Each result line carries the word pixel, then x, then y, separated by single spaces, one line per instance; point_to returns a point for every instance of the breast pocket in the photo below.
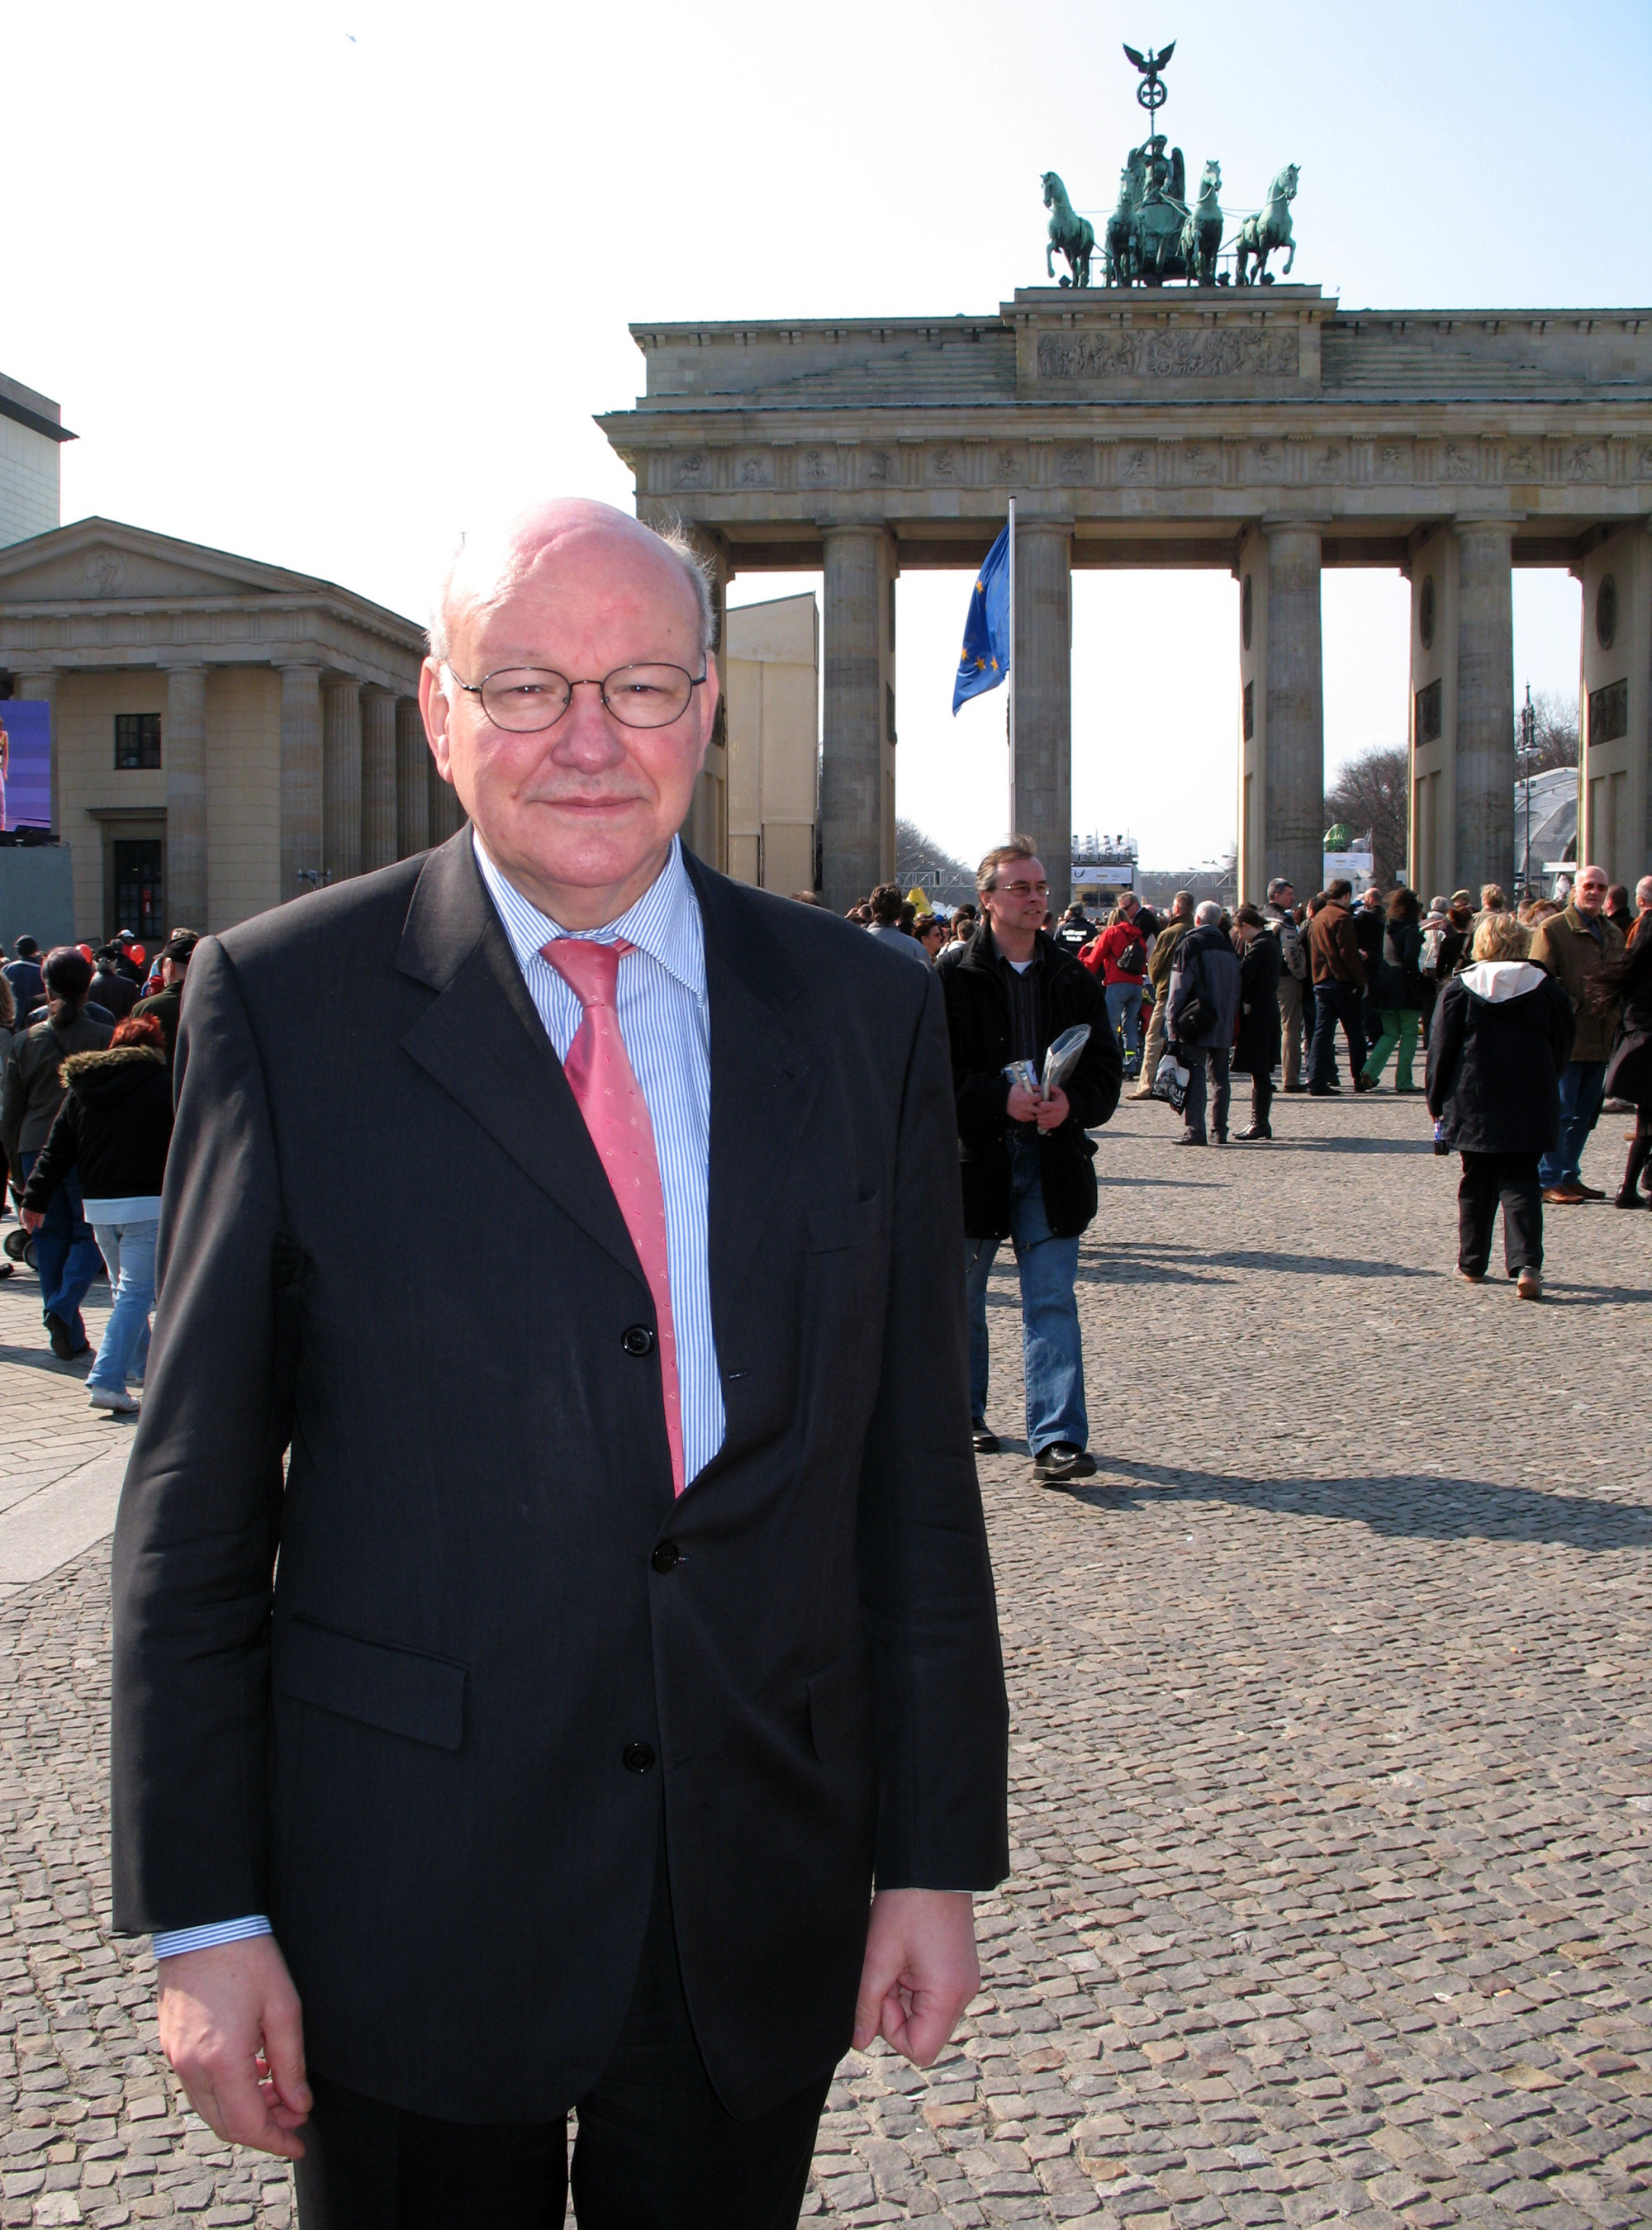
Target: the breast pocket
pixel 841 1224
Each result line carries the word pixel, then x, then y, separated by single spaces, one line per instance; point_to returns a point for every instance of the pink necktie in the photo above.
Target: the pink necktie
pixel 599 1072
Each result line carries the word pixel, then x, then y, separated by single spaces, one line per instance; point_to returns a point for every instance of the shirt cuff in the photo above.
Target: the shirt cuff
pixel 174 1941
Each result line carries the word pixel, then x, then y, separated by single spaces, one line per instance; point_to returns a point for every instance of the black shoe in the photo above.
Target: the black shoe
pixel 1364 1083
pixel 1190 1138
pixel 62 1340
pixel 1294 1088
pixel 1628 1199
pixel 1323 1091
pixel 984 1442
pixel 1062 1460
pixel 1255 1130
pixel 1408 1091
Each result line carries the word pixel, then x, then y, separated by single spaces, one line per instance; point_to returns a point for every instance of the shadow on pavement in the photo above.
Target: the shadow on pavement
pixel 1394 1503
pixel 1140 1265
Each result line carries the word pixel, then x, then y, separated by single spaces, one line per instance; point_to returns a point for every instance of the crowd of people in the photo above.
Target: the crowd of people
pixel 1531 1021
pixel 87 1041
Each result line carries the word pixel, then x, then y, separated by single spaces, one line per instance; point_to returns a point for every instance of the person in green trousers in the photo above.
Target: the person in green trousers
pixel 1399 991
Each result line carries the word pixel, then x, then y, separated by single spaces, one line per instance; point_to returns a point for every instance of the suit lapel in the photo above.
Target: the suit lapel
pixel 482 1040
pixel 766 1077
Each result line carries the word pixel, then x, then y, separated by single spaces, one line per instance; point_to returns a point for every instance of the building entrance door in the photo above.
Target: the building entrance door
pixel 140 897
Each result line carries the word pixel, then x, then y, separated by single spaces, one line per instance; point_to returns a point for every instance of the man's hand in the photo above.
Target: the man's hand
pixel 920 1970
pixel 230 2025
pixel 1053 1112
pixel 1023 1106
pixel 30 1218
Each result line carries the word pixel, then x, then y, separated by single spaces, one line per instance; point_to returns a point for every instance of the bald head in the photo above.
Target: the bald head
pixel 492 566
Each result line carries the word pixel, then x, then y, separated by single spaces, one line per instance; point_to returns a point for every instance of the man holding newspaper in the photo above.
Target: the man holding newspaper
pixel 1035 1069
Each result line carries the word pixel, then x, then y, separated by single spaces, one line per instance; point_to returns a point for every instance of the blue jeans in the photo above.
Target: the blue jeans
pixel 129 1251
pixel 1583 1094
pixel 1052 1350
pixel 1124 1015
pixel 66 1253
pixel 1333 1003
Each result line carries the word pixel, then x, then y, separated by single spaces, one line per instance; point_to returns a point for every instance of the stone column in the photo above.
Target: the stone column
pixel 706 830
pixel 412 790
pixel 300 780
pixel 1615 716
pixel 1433 847
pixel 1292 808
pixel 1485 729
pixel 377 778
pixel 183 757
pixel 856 784
pixel 41 687
pixel 1041 662
pixel 341 777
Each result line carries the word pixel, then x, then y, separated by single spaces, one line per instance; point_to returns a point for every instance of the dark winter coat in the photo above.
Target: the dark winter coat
pixel 112 991
pixel 977 1017
pixel 1207 968
pixel 1628 1073
pixel 33 1085
pixel 166 1005
pixel 1400 981
pixel 1370 924
pixel 112 1129
pixel 1256 1050
pixel 1494 1065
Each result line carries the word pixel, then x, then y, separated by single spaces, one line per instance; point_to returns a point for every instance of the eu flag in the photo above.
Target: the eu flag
pixel 985 659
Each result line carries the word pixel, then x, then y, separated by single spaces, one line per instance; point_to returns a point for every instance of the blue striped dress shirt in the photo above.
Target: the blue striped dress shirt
pixel 666 1023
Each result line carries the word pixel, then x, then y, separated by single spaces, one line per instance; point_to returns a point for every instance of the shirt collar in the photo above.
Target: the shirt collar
pixel 664 922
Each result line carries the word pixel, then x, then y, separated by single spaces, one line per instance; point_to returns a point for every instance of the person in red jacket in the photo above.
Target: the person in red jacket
pixel 1119 956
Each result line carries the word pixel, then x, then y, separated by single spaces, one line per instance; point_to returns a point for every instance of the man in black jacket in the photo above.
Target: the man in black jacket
pixel 1028 1164
pixel 551 1589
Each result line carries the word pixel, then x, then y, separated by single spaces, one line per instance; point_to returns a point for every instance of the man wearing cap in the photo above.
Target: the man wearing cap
pixel 167 1004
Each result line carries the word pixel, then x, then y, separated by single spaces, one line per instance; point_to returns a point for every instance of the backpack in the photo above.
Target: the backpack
pixel 1290 945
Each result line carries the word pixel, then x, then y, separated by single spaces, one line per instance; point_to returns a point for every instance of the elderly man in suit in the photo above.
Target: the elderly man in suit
pixel 556 1658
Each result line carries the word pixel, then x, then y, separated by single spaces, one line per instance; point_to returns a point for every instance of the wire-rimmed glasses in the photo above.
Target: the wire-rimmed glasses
pixel 523 699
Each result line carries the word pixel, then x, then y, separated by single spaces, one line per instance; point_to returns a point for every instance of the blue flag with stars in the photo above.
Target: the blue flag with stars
pixel 985 659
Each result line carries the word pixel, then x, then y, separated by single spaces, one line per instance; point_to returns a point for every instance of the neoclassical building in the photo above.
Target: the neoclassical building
pixel 226 734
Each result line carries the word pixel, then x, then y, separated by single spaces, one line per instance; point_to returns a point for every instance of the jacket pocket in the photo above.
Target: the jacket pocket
pixel 842 1223
pixel 398 1691
pixel 839 1704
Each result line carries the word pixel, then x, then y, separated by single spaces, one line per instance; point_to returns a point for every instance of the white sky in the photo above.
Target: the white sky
pixel 324 283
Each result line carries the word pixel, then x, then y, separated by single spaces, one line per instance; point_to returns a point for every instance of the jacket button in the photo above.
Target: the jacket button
pixel 638 1339
pixel 667 1557
pixel 637 1757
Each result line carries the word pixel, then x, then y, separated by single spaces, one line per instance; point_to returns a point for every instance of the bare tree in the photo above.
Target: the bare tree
pixel 1554 731
pixel 1373 792
pixel 918 857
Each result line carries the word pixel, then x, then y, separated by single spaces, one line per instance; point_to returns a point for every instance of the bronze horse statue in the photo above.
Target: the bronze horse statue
pixel 1269 229
pixel 1201 230
pixel 1074 234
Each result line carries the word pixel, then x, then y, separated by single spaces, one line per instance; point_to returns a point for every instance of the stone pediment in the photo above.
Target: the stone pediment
pixel 102 561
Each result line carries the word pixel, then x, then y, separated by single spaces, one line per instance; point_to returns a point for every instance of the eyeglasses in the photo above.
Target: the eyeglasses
pixel 523 699
pixel 1022 890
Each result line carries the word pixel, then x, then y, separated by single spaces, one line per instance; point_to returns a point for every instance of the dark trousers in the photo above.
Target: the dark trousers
pixel 1198 1059
pixel 1261 1101
pixel 1334 1003
pixel 1513 1179
pixel 656 2149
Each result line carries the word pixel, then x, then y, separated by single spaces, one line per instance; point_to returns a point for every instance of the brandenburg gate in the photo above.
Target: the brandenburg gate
pixel 1262 429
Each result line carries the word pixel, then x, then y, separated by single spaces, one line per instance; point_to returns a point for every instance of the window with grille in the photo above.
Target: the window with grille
pixel 137 739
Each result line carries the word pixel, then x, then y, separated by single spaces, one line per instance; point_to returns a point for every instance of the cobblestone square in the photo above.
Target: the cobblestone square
pixel 1331 1788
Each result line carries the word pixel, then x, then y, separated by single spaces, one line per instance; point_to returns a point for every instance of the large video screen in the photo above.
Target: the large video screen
pixel 25 764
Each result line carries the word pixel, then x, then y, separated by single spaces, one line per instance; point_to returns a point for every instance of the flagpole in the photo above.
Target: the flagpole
pixel 1013 666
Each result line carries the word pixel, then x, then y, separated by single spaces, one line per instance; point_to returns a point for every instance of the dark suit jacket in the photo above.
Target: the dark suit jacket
pixel 389 1249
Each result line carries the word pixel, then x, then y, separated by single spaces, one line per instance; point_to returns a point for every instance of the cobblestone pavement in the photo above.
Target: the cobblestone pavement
pixel 1333 1782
